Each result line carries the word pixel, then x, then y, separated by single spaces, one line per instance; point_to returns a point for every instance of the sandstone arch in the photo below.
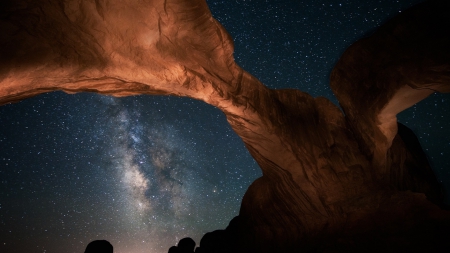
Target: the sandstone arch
pixel 338 171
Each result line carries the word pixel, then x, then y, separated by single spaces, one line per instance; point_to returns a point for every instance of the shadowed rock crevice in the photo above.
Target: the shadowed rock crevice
pixel 331 179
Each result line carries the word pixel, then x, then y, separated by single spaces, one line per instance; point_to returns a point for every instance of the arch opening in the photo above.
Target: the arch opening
pixel 142 172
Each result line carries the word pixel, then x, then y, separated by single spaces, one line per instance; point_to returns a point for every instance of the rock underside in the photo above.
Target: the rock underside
pixel 333 181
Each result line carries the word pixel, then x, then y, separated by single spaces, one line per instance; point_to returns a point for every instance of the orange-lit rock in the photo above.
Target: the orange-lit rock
pixel 329 181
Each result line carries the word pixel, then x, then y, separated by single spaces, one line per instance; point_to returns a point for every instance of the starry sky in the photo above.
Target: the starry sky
pixel 146 171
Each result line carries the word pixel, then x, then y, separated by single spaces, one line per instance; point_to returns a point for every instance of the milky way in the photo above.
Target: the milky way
pixel 137 171
pixel 144 172
pixel 163 178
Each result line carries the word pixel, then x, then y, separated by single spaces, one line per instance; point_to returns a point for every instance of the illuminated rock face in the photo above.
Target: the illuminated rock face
pixel 329 180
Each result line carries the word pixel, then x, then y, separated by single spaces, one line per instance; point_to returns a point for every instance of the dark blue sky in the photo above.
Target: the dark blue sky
pixel 144 172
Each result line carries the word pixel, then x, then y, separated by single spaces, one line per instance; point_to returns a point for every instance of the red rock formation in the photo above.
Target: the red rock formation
pixel 405 61
pixel 329 181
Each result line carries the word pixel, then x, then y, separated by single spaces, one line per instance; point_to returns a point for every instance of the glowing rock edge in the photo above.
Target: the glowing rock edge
pixel 351 180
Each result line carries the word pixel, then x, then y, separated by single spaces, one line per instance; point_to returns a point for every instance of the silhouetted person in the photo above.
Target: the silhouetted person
pixel 99 246
pixel 186 245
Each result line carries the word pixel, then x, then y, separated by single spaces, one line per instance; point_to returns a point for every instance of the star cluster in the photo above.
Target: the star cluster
pixel 143 171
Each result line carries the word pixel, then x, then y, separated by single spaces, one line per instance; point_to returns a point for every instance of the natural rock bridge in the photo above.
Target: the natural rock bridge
pixel 332 179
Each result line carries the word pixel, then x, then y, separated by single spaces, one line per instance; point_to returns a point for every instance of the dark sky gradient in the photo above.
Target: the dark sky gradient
pixel 144 172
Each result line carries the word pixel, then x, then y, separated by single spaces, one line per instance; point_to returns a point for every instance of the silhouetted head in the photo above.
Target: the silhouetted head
pixel 186 245
pixel 99 246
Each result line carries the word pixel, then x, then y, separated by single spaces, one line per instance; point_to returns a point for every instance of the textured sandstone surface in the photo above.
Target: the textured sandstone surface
pixel 330 180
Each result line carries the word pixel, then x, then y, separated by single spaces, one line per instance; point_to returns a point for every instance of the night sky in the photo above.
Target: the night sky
pixel 146 171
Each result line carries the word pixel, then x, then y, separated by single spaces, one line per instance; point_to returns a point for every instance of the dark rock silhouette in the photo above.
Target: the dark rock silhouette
pixel 186 245
pixel 216 241
pixel 99 246
pixel 173 249
pixel 332 181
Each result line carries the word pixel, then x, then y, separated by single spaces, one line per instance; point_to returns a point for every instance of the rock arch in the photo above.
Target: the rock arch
pixel 324 172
